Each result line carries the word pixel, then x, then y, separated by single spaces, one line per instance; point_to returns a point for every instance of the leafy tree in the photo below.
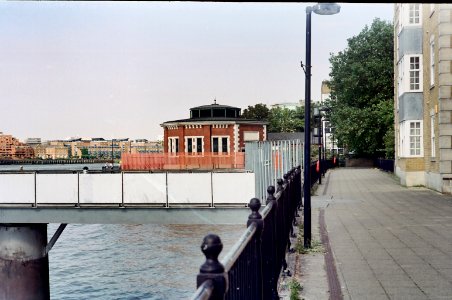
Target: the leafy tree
pixel 280 119
pixel 286 120
pixel 362 91
pixel 85 153
pixel 258 112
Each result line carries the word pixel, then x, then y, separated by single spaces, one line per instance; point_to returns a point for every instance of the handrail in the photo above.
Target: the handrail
pixel 204 291
pixel 238 247
pixel 266 210
pixel 251 268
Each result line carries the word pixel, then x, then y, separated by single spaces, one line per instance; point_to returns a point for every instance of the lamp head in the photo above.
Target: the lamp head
pixel 326 8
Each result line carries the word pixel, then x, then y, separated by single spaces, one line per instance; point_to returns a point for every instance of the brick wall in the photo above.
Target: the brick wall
pixel 207 131
pixel 246 127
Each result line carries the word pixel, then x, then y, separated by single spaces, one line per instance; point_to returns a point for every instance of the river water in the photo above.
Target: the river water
pixel 127 261
pixel 130 261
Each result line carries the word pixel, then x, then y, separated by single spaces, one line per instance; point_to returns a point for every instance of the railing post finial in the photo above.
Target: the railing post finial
pixel 280 184
pixel 212 269
pixel 271 194
pixel 211 247
pixel 255 216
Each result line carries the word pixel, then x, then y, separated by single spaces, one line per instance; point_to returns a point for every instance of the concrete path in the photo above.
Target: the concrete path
pixel 388 241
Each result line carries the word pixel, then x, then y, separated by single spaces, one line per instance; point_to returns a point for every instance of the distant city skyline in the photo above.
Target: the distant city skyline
pixel 120 69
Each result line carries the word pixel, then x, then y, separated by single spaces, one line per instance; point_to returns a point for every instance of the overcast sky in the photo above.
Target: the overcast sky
pixel 116 70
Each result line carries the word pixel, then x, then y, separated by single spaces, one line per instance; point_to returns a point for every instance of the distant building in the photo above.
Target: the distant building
pixel 145 146
pixel 284 136
pixel 12 148
pixel 33 141
pixel 288 105
pixel 325 91
pixel 52 150
pixel 212 128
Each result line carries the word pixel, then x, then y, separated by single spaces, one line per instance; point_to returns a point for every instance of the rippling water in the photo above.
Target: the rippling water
pixel 130 261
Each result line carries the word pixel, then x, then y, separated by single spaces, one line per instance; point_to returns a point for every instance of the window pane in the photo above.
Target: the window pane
pixel 215 145
pixel 199 145
pixel 224 145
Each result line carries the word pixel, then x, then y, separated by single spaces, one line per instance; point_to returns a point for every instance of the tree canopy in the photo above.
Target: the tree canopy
pixel 286 120
pixel 258 112
pixel 279 119
pixel 362 85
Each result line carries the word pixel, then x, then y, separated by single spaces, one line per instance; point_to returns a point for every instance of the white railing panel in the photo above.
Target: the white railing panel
pixel 233 188
pixel 17 188
pixel 144 188
pixel 189 188
pixel 100 188
pixel 56 189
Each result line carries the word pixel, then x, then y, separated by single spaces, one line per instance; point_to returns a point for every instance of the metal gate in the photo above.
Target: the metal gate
pixel 270 160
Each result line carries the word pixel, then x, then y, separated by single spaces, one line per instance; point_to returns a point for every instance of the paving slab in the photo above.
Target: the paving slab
pixel 388 241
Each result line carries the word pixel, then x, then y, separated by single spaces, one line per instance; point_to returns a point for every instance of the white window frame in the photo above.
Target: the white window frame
pixel 400 82
pixel 432 60
pixel 220 143
pixel 408 64
pixel 406 15
pixel 405 75
pixel 414 69
pixel 194 139
pixel 412 18
pixel 173 144
pixel 432 135
pixel 407 138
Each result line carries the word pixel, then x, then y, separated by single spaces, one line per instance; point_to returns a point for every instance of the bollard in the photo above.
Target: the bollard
pixel 212 269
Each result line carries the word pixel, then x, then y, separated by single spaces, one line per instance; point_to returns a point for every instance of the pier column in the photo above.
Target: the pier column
pixel 24 265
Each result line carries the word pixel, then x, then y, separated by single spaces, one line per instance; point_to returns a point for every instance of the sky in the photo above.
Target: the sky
pixel 120 69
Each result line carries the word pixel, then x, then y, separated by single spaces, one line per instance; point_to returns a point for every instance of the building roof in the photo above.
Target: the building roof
pixel 214 105
pixel 215 113
pixel 278 136
pixel 216 120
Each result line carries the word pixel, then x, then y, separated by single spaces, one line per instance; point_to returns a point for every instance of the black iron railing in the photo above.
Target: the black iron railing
pixel 384 164
pixel 320 169
pixel 252 267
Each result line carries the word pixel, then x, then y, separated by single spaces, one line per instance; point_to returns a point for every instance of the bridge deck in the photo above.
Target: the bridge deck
pixel 109 215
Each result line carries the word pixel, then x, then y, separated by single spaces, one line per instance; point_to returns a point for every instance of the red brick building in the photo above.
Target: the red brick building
pixel 212 128
pixel 12 148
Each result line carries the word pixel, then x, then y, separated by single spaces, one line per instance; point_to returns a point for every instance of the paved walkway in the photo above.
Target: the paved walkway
pixel 388 241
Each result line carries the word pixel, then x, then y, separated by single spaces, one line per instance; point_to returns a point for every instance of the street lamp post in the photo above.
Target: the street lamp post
pixel 318 132
pixel 321 9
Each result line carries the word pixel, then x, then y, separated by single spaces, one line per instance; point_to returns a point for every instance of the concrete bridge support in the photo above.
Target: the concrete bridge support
pixel 24 263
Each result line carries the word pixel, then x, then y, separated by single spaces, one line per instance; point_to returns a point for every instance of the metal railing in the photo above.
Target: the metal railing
pixel 250 270
pixel 318 170
pixel 270 160
pixel 384 164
